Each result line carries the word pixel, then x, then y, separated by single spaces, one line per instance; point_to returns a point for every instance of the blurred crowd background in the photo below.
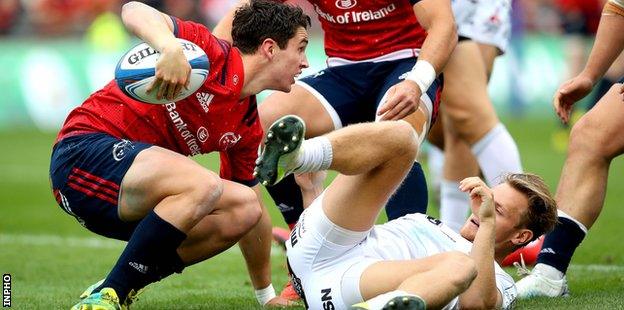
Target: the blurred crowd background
pixel 54 18
pixel 68 48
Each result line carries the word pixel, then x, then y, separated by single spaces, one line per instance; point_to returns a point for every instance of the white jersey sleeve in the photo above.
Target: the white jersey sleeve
pixel 506 286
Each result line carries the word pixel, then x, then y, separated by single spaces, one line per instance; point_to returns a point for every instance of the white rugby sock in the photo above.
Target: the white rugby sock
pixel 379 301
pixel 316 154
pixel 497 153
pixel 454 205
pixel 435 162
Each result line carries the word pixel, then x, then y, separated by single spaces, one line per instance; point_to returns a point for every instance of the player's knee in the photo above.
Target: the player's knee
pixel 469 126
pixel 586 139
pixel 251 210
pixel 405 140
pixel 205 190
pixel 245 214
pixel 461 269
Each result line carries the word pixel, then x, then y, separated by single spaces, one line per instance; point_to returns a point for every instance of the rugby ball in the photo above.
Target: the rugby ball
pixel 136 71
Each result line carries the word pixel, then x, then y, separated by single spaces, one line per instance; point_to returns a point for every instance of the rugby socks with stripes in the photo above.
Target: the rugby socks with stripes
pixel 411 196
pixel 560 244
pixel 454 205
pixel 149 256
pixel 497 153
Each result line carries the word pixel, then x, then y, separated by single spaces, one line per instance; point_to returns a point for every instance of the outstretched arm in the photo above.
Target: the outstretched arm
pixel 156 28
pixel 608 45
pixel 482 293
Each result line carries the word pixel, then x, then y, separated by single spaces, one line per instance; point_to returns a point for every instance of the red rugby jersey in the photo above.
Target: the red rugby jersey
pixel 211 119
pixel 364 29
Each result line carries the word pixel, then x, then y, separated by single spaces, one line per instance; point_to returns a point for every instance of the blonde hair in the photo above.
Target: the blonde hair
pixel 541 215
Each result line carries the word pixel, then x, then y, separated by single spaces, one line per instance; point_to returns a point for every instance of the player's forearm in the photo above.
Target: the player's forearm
pixel 440 43
pixel 482 293
pixel 150 25
pixel 223 29
pixel 436 16
pixel 608 45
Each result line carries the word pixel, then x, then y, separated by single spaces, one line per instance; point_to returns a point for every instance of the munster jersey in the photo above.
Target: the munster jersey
pixel 364 29
pixel 211 119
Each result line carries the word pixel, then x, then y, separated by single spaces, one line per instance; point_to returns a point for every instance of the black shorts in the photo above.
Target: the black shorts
pixel 86 172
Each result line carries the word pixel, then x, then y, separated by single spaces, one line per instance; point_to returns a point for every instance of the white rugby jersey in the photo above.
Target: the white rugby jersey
pixel 424 236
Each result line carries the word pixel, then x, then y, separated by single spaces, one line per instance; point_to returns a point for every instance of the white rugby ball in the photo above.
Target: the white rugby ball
pixel 136 71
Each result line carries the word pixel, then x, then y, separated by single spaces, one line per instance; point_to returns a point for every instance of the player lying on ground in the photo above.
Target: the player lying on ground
pixel 121 167
pixel 338 256
pixel 383 67
pixel 595 140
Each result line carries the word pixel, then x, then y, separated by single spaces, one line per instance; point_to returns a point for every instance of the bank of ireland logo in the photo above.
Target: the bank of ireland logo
pixel 345 4
pixel 202 134
pixel 228 140
pixel 121 148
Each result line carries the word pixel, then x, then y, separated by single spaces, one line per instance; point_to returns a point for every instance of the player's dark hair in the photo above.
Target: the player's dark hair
pixel 262 19
pixel 541 216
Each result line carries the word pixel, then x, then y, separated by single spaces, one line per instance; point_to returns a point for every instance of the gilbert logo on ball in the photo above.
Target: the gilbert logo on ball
pixel 136 71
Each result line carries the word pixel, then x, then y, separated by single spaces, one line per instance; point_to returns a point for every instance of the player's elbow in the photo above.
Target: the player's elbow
pixel 129 8
pixel 130 14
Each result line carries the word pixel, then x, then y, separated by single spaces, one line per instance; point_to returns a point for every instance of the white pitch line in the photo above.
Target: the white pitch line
pixel 103 243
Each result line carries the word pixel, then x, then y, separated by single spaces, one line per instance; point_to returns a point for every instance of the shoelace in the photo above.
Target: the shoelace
pixel 521 268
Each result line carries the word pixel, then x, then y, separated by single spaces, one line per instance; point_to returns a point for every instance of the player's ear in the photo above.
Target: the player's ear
pixel 268 48
pixel 522 237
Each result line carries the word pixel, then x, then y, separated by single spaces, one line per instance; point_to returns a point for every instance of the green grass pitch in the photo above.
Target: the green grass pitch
pixel 52 258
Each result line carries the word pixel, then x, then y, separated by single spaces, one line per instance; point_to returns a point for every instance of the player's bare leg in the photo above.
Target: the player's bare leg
pixel 594 141
pixel 236 208
pixel 160 190
pixel 373 159
pixel 472 129
pixel 300 102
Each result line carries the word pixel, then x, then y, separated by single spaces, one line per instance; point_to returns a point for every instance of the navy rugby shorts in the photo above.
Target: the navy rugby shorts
pixel 86 171
pixel 351 93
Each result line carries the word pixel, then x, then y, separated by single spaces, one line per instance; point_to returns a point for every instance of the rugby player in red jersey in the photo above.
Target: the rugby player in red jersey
pixel 122 167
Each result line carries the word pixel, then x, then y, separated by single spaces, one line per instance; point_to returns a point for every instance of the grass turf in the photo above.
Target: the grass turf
pixel 52 258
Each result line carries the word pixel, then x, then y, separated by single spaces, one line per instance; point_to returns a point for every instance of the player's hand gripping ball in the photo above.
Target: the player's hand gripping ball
pixel 136 71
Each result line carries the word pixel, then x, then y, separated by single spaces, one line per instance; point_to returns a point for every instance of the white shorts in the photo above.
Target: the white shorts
pixel 324 261
pixel 327 261
pixel 484 21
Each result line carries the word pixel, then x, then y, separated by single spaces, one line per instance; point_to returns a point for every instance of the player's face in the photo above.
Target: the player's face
pixel 290 61
pixel 510 206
